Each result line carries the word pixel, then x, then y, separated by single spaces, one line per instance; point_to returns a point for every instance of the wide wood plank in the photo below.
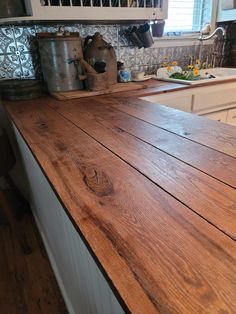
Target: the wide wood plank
pixel 210 198
pixel 219 136
pixel 156 252
pixel 214 163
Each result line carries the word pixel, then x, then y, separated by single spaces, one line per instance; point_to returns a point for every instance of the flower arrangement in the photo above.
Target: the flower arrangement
pixel 191 72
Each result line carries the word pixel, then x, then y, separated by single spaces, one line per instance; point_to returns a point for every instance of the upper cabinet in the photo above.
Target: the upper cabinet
pixel 88 10
pixel 226 10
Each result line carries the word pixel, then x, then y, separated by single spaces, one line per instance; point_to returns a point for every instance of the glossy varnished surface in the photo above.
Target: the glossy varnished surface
pixel 152 194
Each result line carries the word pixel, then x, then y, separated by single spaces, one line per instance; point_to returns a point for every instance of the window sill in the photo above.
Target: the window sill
pixel 177 41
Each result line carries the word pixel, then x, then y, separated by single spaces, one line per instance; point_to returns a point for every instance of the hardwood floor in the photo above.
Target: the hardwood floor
pixel 27 283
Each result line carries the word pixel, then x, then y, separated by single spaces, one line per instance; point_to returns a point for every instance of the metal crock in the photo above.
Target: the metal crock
pixel 60 54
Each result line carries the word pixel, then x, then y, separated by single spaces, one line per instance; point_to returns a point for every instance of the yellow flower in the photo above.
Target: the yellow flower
pixel 196 72
pixel 198 61
pixel 169 68
pixel 174 63
pixel 164 64
pixel 190 66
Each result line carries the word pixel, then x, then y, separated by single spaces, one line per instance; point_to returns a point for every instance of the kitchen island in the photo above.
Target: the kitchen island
pixel 149 190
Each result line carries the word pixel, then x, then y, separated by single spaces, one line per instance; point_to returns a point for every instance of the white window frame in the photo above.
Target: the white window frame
pixel 188 38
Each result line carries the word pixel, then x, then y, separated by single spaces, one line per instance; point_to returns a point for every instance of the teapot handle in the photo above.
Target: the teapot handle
pixel 87 40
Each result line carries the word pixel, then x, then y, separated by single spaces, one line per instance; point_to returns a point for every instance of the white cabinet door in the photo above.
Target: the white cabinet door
pixel 220 116
pixel 214 96
pixel 231 117
pixel 173 100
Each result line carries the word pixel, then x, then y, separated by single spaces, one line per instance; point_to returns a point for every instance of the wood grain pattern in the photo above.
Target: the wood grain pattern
pixel 217 201
pixel 156 252
pixel 196 155
pixel 198 129
pixel 84 287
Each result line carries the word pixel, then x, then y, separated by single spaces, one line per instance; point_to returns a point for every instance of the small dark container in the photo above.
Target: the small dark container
pixel 158 29
pixel 133 36
pixel 145 35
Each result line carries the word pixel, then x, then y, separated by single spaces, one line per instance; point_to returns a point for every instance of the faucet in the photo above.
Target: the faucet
pixel 202 37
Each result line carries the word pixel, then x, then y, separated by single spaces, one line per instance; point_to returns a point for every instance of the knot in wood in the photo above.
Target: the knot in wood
pixel 97 181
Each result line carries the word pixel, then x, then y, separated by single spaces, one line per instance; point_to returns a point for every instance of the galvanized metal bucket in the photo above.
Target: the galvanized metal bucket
pixel 60 56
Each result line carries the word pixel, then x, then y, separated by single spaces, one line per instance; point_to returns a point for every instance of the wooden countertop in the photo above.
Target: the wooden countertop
pixel 152 190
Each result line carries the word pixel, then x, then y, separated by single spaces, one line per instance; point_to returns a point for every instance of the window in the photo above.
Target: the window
pixel 188 15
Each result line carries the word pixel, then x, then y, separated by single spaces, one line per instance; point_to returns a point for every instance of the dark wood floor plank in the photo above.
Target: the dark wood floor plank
pixel 11 294
pixel 157 252
pixel 221 137
pixel 28 284
pixel 210 198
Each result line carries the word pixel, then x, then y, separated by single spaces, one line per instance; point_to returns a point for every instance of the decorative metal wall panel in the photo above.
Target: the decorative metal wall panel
pixel 19 56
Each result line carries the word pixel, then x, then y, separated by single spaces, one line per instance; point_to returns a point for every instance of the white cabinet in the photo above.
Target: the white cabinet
pixel 231 116
pixel 226 116
pixel 181 100
pixel 220 116
pixel 200 100
pixel 106 10
pixel 216 102
pixel 211 98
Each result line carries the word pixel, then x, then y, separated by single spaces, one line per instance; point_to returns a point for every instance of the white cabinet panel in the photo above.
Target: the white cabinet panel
pixel 213 96
pixel 174 100
pixel 181 103
pixel 220 116
pixel 231 117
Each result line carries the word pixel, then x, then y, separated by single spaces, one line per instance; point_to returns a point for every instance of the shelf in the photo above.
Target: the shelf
pixel 87 11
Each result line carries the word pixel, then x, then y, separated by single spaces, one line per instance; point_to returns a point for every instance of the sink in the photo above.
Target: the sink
pixel 222 72
pixel 212 75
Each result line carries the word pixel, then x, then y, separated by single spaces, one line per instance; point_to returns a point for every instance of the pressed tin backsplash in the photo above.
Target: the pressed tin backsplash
pixel 19 56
